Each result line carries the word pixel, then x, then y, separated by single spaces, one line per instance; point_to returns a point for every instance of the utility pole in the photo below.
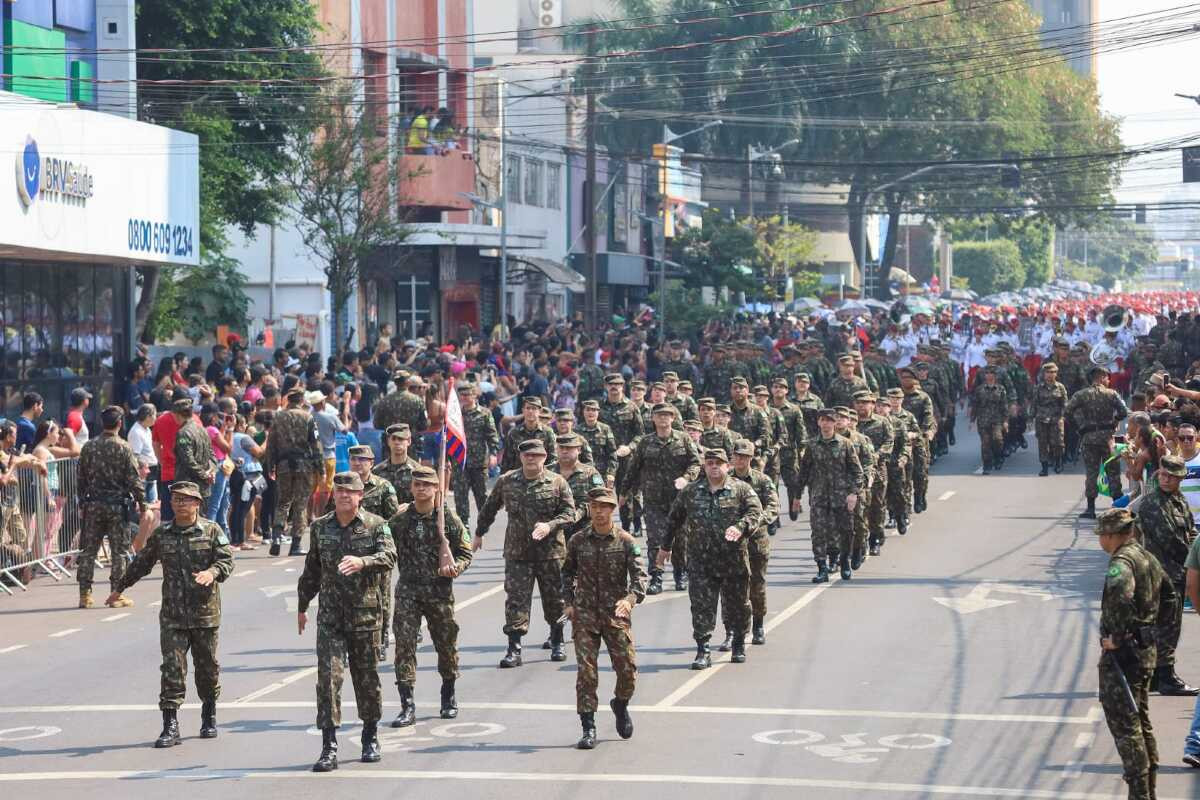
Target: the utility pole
pixel 589 209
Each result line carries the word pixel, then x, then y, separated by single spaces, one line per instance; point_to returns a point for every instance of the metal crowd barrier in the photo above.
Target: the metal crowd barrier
pixel 40 524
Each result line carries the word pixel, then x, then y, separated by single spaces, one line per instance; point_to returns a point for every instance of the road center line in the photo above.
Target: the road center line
pixel 946 495
pixel 697 680
pixel 116 617
pixel 266 690
pixel 280 562
pixel 470 601
pixel 67 632
pixel 244 573
pixel 611 778
pixel 13 648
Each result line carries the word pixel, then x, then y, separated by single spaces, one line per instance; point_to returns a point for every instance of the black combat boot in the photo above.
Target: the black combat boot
pixel 295 550
pixel 276 539
pixel 846 571
pixel 857 559
pixel 1090 511
pixel 727 643
pixel 1045 469
pixel 556 643
pixel 1152 781
pixel 950 436
pixel 876 547
pixel 1058 465
pixel 328 760
pixel 681 577
pixel 408 709
pixel 739 648
pixel 703 659
pixel 371 751
pixel 449 703
pixel 588 740
pixel 987 470
pixel 822 575
pixel 170 732
pixel 655 586
pixel 208 719
pixel 902 525
pixel 512 658
pixel 1171 685
pixel 620 709
pixel 1139 787
pixel 793 514
pixel 758 632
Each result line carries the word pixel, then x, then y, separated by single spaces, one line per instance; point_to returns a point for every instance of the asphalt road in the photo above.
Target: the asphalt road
pixel 961 663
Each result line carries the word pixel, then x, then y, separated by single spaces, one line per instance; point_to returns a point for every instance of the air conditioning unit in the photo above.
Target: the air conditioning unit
pixel 549 13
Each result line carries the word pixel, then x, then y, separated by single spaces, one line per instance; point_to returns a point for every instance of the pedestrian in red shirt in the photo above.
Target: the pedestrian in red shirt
pixel 163 437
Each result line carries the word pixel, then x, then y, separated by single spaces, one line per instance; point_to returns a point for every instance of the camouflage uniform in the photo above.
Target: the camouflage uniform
pixel 190 613
pixel 511 459
pixel 379 498
pixel 1049 405
pixel 401 406
pixel 582 480
pixel 684 405
pixel 600 570
pixel 1137 596
pixel 653 468
pixel 421 592
pixel 989 409
pixel 591 382
pixel 773 458
pixel 399 476
pixel 482 442
pixel 831 471
pixel 751 422
pixel 720 569
pixel 1168 529
pixel 1096 411
pixel 603 447
pixel 882 435
pixel 1023 389
pixel 919 404
pixel 715 438
pixel 809 405
pixel 625 420
pixel 792 448
pixel 528 501
pixel 759 546
pixel 349 616
pixel 194 460
pixel 900 484
pixel 866 459
pixel 294 452
pixel 716 381
pixel 841 390
pixel 108 480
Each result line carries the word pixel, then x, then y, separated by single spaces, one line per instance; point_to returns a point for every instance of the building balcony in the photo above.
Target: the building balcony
pixel 435 181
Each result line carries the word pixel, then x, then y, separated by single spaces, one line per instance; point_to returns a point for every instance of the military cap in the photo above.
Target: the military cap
pixel 675 343
pixel 590 404
pixel 788 350
pixel 1059 341
pixel 685 384
pixel 723 408
pixel 658 385
pixel 564 413
pixel 693 425
pixel 895 392
pixel 991 351
pixel 570 440
pixel 716 454
pixel 348 480
pixel 663 408
pixel 295 391
pixel 827 412
pixel 909 371
pixel 182 405
pixel 1094 371
pixel 841 409
pixel 670 375
pixel 186 489
pixel 921 365
pixel 399 429
pixel 743 447
pixel 532 446
pixel 1049 366
pixel 402 375
pixel 780 381
pixel 740 381
pixel 845 358
pixel 1173 465
pixel 545 413
pixel 615 377
pixel 802 376
pixel 707 401
pixel 464 388
pixel 760 389
pixel 637 384
pixel 865 396
pixel 362 451
pixel 848 413
pixel 602 494
pixel 536 402
pixel 1114 520
pixel 425 474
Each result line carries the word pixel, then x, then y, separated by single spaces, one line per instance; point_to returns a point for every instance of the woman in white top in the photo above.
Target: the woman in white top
pixel 142 443
pixel 54 444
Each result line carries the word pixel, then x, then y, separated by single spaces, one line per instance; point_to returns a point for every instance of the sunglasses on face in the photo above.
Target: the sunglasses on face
pixel 1187 438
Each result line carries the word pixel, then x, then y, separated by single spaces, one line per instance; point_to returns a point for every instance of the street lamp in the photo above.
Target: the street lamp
pixel 669 137
pixel 754 154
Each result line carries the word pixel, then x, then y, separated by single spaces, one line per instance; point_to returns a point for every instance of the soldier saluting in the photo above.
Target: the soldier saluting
pixel 195 556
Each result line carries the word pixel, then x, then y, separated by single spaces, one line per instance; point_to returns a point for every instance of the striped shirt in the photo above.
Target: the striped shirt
pixel 1190 486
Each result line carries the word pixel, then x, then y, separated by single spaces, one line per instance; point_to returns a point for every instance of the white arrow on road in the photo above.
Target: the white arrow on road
pixel 978 600
pixel 275 591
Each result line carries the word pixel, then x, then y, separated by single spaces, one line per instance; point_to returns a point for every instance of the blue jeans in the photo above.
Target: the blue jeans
pixel 218 502
pixel 1191 745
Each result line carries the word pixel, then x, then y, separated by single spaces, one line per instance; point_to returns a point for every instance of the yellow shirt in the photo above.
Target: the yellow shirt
pixel 418 132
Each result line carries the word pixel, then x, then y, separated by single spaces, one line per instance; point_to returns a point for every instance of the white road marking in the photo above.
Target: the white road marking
pixel 1074 768
pixel 28 732
pixel 946 495
pixel 13 648
pixel 266 690
pixel 116 617
pixel 290 569
pixel 611 778
pixel 67 632
pixel 659 598
pixel 244 573
pixel 1085 740
pixel 275 591
pixel 156 604
pixel 978 600
pixel 696 681
pixel 470 601
pixel 859 713
pixel 1095 713
pixel 280 562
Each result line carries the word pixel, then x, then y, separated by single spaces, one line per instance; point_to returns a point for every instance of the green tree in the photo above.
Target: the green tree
pixel 990 267
pixel 243 128
pixel 1118 250
pixel 712 254
pixel 785 250
pixel 1033 236
pixel 343 195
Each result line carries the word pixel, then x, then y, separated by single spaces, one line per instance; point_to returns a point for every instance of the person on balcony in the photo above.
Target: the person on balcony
pixel 418 133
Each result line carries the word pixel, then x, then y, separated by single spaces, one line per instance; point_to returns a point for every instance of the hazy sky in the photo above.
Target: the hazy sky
pixel 1139 85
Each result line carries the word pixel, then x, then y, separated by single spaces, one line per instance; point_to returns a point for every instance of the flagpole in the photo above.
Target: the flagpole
pixel 445 557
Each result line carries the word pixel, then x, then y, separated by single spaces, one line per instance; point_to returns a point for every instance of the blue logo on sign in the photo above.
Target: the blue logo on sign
pixel 29 171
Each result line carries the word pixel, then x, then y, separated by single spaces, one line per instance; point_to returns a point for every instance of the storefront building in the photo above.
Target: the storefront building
pixel 95 195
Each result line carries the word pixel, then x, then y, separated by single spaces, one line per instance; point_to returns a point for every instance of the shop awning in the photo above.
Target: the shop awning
pixel 554 271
